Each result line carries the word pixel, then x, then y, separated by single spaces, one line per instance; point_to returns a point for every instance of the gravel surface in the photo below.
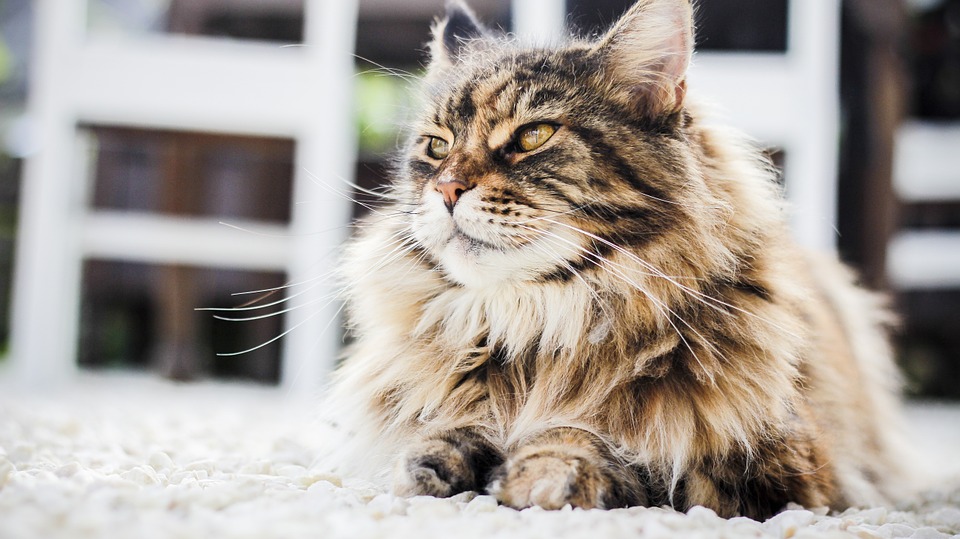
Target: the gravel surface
pixel 131 456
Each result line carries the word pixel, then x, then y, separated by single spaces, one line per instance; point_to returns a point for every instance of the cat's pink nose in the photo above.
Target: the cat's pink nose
pixel 452 190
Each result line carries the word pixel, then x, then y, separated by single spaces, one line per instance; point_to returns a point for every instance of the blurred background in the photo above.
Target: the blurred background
pixel 130 130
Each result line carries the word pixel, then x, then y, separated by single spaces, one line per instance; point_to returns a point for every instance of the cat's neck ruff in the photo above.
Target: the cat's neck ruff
pixel 514 315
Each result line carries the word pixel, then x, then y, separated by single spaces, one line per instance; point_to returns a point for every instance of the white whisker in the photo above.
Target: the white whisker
pixel 390 71
pixel 272 340
pixel 261 306
pixel 277 313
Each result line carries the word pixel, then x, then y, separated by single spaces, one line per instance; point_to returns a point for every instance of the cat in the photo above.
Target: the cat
pixel 578 292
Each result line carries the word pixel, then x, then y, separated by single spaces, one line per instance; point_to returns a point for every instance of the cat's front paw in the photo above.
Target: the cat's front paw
pixel 567 466
pixel 550 479
pixel 458 461
pixel 432 468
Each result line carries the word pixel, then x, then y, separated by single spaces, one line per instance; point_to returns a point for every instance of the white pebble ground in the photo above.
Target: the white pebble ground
pixel 130 456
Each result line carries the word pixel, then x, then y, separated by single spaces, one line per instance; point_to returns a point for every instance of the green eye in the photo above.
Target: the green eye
pixel 438 148
pixel 532 137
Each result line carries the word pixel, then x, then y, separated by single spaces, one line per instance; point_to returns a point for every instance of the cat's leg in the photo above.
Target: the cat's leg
pixel 454 461
pixel 566 466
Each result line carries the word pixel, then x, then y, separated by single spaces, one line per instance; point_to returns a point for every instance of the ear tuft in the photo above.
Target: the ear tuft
pixel 648 52
pixel 458 27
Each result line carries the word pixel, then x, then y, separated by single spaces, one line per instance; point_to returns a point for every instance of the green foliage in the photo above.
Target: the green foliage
pixel 6 61
pixel 382 105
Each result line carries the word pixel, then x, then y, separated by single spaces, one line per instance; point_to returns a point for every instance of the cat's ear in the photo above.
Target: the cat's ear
pixel 647 52
pixel 451 33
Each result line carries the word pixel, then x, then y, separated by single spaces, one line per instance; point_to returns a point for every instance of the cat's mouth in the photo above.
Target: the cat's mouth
pixel 471 242
pixel 477 230
pixel 478 246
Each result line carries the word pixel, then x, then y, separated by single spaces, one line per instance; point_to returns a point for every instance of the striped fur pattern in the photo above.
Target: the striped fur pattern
pixel 614 317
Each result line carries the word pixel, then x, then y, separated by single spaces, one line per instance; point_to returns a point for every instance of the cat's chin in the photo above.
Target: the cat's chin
pixel 473 262
pixel 478 263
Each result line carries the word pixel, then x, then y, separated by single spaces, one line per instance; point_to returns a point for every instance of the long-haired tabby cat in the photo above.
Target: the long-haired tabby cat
pixel 580 293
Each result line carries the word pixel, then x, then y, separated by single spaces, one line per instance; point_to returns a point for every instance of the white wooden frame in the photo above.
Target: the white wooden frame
pixel 190 84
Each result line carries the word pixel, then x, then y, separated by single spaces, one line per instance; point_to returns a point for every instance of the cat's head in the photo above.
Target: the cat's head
pixel 532 163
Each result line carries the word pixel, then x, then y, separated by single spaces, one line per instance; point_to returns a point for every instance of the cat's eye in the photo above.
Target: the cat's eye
pixel 438 148
pixel 532 137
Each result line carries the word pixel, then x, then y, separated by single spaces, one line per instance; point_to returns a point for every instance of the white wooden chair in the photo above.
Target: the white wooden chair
pixel 182 83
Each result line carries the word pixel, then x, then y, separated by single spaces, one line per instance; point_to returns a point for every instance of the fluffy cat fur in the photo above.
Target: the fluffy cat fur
pixel 615 317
